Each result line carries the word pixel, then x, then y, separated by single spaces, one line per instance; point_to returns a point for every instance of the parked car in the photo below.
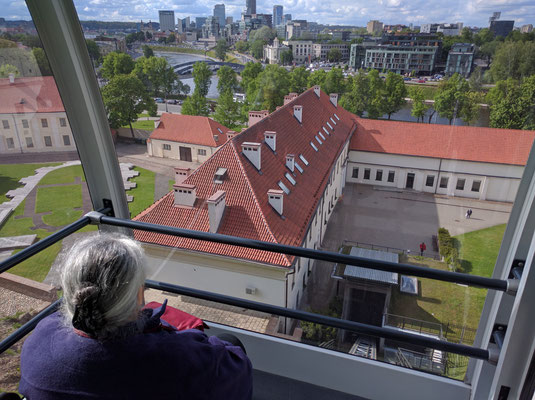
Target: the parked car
pixel 159 100
pixel 421 81
pixel 172 101
pixel 406 79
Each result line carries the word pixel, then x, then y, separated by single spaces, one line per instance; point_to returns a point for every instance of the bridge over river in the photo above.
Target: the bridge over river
pixel 187 68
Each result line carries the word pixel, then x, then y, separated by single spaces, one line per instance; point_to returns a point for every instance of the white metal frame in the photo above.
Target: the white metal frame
pixel 60 32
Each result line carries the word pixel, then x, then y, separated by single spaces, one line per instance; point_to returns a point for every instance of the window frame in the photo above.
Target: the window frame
pixel 391 176
pixel 427 178
pixel 48 141
pixel 44 122
pixel 444 182
pixel 66 140
pixel 458 185
pixel 367 174
pixel 355 173
pixel 5 123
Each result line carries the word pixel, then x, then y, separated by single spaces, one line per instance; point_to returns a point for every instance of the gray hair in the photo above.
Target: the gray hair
pixel 101 277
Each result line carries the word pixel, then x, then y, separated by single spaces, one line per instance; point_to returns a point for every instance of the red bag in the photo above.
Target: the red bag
pixel 179 319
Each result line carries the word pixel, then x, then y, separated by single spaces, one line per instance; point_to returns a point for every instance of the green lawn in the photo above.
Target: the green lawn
pixel 143 193
pixel 429 91
pixel 171 183
pixel 10 174
pixel 63 175
pixel 60 201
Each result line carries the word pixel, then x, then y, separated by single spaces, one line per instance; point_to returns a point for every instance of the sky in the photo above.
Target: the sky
pixel 334 12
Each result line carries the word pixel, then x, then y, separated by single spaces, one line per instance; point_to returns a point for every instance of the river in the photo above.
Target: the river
pixel 403 115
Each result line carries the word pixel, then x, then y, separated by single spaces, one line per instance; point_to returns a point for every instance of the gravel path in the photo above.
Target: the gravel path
pixel 13 302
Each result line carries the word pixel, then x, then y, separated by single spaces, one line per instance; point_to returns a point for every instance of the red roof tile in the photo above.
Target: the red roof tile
pixel 29 95
pixel 248 213
pixel 501 146
pixel 190 129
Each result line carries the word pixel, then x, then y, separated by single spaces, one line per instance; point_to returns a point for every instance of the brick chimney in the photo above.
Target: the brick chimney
pixel 270 138
pixel 334 99
pixel 257 116
pixel 231 134
pixel 216 208
pixel 298 113
pixel 289 97
pixel 317 90
pixel 181 174
pixel 252 152
pixel 275 198
pixel 290 162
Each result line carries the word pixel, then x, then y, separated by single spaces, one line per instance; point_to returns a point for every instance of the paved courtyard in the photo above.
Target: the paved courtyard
pixel 396 219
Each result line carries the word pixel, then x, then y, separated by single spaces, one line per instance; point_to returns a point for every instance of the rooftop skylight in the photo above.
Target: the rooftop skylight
pixel 323 137
pixel 284 187
pixel 302 157
pixel 326 131
pixel 319 140
pixel 298 167
pixel 333 121
pixel 336 116
pixel 290 178
pixel 313 146
pixel 330 126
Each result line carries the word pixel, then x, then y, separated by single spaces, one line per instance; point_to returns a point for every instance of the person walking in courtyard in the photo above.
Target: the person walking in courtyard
pixel 423 247
pixel 469 213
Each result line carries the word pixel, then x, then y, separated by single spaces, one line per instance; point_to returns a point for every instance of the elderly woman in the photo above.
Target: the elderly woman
pixel 102 344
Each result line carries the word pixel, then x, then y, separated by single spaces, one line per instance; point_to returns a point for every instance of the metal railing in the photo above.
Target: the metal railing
pixel 387 333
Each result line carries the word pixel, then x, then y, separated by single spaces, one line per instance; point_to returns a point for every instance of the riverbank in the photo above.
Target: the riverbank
pixel 210 54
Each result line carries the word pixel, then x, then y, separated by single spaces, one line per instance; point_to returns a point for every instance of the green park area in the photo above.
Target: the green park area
pixel 58 203
pixel 456 307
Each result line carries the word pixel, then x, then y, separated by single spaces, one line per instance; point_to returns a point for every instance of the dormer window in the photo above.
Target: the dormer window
pixel 220 175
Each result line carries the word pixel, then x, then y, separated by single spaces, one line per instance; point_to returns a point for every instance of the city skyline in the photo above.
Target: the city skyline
pixel 339 12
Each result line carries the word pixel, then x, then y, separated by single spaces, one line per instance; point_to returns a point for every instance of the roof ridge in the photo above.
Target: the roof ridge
pixel 235 152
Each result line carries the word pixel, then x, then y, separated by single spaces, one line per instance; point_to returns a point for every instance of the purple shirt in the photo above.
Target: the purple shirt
pixel 57 363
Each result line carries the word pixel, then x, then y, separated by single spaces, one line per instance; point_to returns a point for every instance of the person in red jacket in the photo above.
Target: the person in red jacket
pixel 423 247
pixel 104 344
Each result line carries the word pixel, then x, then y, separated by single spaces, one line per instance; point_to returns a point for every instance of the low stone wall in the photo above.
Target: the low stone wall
pixel 28 287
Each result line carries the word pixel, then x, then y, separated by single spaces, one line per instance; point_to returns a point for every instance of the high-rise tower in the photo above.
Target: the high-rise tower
pixel 250 7
pixel 277 15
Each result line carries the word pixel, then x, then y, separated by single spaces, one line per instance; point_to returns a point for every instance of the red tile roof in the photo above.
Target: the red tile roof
pixel 190 129
pixel 29 95
pixel 248 213
pixel 501 146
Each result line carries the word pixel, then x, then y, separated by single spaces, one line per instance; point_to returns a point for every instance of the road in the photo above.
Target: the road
pixel 170 108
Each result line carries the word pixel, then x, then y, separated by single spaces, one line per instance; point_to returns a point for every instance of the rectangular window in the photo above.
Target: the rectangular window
pixel 201 152
pixel 379 175
pixel 5 123
pixel 391 175
pixel 44 122
pixel 62 122
pixel 25 124
pixel 10 143
pixel 476 185
pixel 284 187
pixel 444 182
pixel 460 184
pixel 430 180
pixel 355 173
pixel 366 173
pixel 66 140
pixel 290 178
pixel 167 147
pixel 29 142
pixel 313 146
pixel 48 141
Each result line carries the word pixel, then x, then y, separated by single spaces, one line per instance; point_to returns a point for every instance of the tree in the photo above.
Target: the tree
pixel 264 34
pixel 273 83
pixel 395 93
pixel 242 46
pixel 335 81
pixel 147 51
pixel 195 105
pixel 334 55
pixel 148 35
pixel 221 49
pixel 287 57
pixel 93 50
pixel 171 38
pixel 228 80
pixel 317 77
pixel 42 61
pixel 116 64
pixel 227 111
pixel 8 69
pixel 6 44
pixel 257 49
pixel 512 104
pixel 485 35
pixel 249 74
pixel 162 39
pixel 451 97
pixel 508 58
pixel 125 97
pixel 375 99
pixel 156 73
pixel 299 80
pixel 201 78
pixel 467 36
pixel 476 79
pixel 419 108
pixel 469 110
pixel 356 98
